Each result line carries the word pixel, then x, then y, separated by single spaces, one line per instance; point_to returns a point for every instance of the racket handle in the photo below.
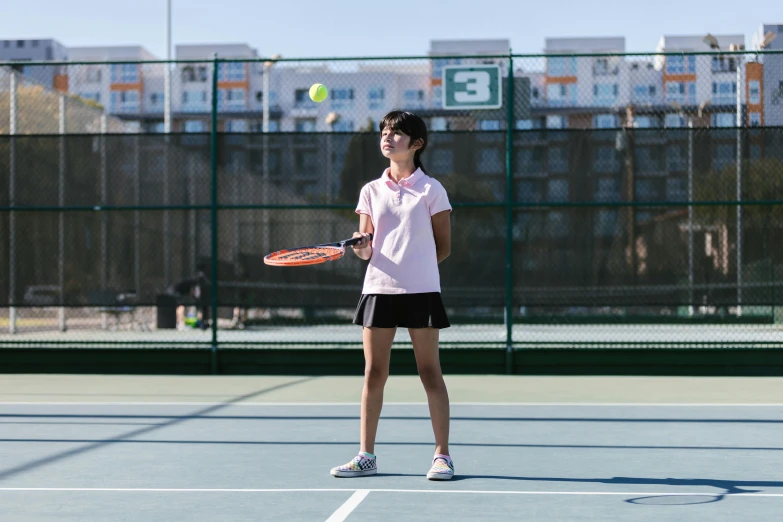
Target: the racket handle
pixel 355 240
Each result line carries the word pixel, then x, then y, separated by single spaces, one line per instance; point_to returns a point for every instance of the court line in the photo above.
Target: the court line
pixel 319 404
pixel 390 490
pixel 347 508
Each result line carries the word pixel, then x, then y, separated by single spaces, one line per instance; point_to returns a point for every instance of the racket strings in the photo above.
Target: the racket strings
pixel 310 253
pixel 303 255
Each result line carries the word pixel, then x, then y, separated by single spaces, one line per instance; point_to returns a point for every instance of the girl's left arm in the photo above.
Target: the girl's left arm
pixel 441 229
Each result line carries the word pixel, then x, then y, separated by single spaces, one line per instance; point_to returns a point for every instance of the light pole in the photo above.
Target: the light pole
pixel 265 236
pixel 166 145
pixel 713 43
pixel 331 119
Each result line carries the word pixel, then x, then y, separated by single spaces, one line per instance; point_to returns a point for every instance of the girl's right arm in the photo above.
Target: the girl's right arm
pixel 364 248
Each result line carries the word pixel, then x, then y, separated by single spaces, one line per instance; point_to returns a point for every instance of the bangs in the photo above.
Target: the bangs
pixel 399 121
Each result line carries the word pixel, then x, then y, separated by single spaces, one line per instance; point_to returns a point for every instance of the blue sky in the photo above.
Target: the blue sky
pixel 310 28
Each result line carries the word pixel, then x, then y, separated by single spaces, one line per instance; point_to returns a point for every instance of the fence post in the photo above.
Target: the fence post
pixel 61 216
pixel 509 312
pixel 104 217
pixel 213 211
pixel 12 214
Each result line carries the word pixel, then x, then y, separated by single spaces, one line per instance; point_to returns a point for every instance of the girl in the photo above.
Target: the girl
pixel 407 213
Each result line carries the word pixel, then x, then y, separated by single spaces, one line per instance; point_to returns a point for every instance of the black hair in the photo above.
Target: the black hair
pixel 410 125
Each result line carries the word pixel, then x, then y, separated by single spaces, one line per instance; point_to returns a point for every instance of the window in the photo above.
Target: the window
pixel 529 192
pixel 754 92
pixel 673 121
pixel 376 96
pixel 557 224
pixel 681 92
pixel 642 122
pixel 676 158
pixel 724 119
pixel 607 190
pixel 236 126
pixel 194 100
pixel 724 93
pixel 777 96
pixel 558 160
pixel 676 189
pixel 605 66
pixel 490 125
pixel 442 161
pixel 605 121
pixel 342 98
pixel 561 66
pixel 306 160
pixel 643 93
pixel 231 72
pixel 232 99
pixel 413 98
pixel 156 128
pixel 723 64
pixel 343 126
pixel 557 190
pixel 305 125
pixel 606 160
pixel 605 223
pixel 125 101
pixel 194 74
pixel 680 64
pixel 439 124
pixel 605 94
pixel 648 159
pixel 530 161
pixel 755 119
pixel 20 44
pixel 723 156
pixel 489 161
pixel 302 99
pixel 125 73
pixel 559 95
pixel 156 98
pixel 556 122
pixel 195 126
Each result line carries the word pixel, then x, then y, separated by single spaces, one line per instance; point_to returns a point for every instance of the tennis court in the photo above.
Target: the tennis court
pixel 139 448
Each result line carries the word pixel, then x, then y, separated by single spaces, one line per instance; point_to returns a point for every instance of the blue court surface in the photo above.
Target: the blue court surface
pixel 239 461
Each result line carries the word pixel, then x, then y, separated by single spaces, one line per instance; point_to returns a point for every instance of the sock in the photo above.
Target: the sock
pixel 368 455
pixel 447 457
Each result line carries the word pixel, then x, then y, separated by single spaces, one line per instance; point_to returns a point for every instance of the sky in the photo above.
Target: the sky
pixel 340 28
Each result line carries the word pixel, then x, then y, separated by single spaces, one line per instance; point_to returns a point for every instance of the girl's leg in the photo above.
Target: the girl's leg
pixel 377 353
pixel 425 347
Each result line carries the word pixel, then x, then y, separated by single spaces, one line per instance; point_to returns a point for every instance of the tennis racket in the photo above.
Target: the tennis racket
pixel 310 255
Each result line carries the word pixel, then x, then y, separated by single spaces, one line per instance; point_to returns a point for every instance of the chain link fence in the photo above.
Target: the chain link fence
pixel 603 200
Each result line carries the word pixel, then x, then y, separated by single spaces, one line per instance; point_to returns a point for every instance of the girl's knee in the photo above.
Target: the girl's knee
pixel 431 377
pixel 375 375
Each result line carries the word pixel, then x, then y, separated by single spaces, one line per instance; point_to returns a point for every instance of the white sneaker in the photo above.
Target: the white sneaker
pixel 442 468
pixel 360 466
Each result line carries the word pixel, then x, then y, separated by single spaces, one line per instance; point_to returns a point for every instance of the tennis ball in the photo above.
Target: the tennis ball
pixel 318 92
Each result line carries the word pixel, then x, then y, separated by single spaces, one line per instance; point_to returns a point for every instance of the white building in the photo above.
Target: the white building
pixel 122 88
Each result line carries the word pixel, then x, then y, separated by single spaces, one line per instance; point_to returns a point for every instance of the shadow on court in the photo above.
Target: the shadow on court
pixel 124 440
pixel 171 421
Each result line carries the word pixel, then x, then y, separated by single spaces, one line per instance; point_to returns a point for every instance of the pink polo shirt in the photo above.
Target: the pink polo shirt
pixel 403 253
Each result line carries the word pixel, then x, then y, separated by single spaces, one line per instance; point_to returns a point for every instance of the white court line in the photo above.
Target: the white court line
pixel 347 508
pixel 380 490
pixel 259 404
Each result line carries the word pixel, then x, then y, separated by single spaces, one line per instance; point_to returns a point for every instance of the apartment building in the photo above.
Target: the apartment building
pixel 37 50
pixel 129 90
pixel 771 89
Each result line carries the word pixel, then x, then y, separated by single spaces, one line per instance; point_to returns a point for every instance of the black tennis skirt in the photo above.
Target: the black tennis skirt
pixel 401 310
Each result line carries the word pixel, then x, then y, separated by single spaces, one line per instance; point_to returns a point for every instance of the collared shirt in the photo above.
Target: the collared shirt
pixel 403 259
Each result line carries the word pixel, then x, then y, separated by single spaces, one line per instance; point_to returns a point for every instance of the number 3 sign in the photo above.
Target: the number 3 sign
pixel 472 87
